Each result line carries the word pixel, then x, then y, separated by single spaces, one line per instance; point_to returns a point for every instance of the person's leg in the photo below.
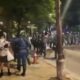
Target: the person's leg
pixel 44 54
pixel 55 54
pixel 40 51
pixel 44 51
pixel 24 65
pixel 19 63
pixel 1 68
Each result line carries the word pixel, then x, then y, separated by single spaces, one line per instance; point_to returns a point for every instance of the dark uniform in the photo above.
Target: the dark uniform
pixel 22 53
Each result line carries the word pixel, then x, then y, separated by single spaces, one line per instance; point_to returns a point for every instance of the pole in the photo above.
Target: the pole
pixel 60 55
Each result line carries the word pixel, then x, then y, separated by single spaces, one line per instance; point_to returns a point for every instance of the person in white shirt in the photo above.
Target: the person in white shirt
pixel 4 44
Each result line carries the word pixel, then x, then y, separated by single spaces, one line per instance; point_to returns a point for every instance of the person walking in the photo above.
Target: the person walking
pixel 22 53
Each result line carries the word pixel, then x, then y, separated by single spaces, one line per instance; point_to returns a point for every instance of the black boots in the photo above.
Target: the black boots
pixel 23 74
pixel 1 74
pixel 24 71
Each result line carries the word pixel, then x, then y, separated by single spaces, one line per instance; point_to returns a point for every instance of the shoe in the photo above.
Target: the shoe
pixel 1 74
pixel 23 74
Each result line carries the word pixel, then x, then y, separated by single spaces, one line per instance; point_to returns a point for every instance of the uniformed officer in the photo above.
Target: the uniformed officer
pixel 22 53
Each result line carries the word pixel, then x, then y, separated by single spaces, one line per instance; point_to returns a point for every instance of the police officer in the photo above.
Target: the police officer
pixel 22 53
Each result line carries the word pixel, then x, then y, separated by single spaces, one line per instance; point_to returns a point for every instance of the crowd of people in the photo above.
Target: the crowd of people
pixel 19 48
pixel 72 38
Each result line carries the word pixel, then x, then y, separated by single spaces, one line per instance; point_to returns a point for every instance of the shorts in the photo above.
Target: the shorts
pixel 3 59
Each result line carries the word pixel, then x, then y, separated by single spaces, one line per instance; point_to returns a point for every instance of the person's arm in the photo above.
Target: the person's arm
pixel 27 43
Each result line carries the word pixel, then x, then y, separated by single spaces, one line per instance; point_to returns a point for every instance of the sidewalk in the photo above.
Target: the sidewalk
pixel 45 70
pixel 41 71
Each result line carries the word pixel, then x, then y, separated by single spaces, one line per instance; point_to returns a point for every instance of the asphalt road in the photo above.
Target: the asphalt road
pixel 72 61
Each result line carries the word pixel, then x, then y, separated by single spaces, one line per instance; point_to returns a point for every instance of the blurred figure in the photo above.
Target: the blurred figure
pixel 4 45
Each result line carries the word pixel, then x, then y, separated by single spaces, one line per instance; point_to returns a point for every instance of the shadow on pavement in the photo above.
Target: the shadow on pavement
pixel 53 78
pixel 53 58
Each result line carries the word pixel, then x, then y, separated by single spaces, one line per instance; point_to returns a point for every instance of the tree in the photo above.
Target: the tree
pixel 28 10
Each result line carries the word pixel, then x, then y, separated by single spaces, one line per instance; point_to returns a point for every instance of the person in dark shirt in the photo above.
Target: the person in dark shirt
pixel 22 53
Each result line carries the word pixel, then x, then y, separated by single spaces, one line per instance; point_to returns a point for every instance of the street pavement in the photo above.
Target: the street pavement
pixel 46 69
pixel 71 63
pixel 40 71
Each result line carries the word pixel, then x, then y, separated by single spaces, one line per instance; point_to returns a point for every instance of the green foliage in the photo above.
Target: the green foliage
pixel 31 9
pixel 28 10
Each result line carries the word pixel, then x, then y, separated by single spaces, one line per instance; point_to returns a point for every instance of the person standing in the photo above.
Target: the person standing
pixel 22 53
pixel 4 46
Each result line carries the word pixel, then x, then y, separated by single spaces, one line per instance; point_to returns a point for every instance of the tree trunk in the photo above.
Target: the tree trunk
pixel 60 55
